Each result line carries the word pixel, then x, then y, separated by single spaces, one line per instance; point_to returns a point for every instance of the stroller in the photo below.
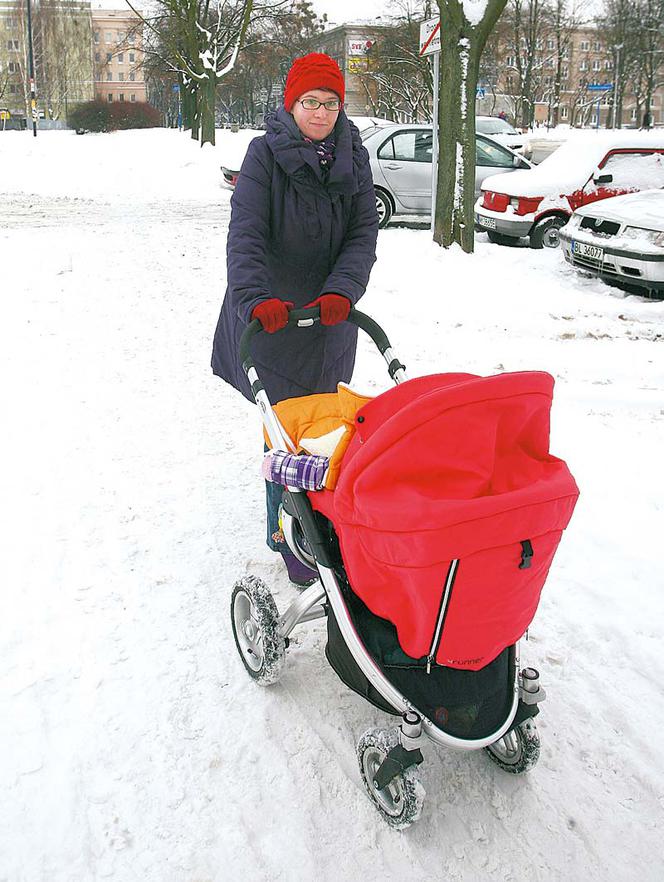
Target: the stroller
pixel 431 553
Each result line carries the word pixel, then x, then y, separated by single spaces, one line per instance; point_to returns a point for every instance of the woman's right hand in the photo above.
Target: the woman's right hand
pixel 272 314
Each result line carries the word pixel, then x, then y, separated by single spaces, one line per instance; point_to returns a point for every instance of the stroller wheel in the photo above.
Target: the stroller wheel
pixel 255 621
pixel 400 803
pixel 518 750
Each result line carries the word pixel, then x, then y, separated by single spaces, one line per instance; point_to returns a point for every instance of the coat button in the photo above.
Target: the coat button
pixel 360 419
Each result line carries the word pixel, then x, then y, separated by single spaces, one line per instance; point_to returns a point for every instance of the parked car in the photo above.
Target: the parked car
pixel 620 240
pixel 229 176
pixel 539 202
pixel 400 158
pixel 500 130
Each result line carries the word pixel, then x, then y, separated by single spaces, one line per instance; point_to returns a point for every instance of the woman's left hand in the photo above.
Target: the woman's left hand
pixel 334 308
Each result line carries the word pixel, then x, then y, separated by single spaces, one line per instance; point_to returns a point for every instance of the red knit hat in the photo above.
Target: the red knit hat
pixel 313 71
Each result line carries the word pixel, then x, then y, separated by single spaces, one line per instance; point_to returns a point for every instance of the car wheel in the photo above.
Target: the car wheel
pixel 384 209
pixel 545 233
pixel 501 238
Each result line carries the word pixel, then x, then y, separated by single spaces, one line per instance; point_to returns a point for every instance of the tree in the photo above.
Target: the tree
pixel 396 79
pixel 464 28
pixel 199 42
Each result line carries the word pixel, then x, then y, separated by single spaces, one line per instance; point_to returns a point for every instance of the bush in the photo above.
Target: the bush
pixel 108 116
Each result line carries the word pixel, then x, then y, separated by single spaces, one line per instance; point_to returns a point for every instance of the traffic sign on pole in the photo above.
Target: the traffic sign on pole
pixel 599 87
pixel 430 36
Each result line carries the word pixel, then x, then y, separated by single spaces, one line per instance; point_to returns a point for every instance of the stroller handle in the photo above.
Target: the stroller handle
pixel 305 318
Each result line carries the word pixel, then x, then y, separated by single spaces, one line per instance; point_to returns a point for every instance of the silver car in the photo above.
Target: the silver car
pixel 401 164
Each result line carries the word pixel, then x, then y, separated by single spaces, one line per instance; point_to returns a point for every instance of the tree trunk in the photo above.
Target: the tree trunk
pixel 461 49
pixel 207 95
pixel 456 139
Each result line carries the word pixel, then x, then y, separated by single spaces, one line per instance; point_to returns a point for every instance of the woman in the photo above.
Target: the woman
pixel 302 233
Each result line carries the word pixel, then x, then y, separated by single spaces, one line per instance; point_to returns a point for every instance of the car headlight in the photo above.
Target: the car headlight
pixel 654 237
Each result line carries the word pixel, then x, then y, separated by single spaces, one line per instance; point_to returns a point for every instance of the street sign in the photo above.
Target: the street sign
pixel 480 92
pixel 430 36
pixel 5 114
pixel 599 87
pixel 175 87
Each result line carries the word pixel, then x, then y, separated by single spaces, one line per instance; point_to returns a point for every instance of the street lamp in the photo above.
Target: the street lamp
pixel 33 97
pixel 617 100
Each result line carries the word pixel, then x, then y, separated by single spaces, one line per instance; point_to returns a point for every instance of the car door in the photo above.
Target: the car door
pixel 491 159
pixel 622 171
pixel 405 162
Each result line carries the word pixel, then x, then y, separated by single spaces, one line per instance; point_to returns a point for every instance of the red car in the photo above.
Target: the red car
pixel 593 165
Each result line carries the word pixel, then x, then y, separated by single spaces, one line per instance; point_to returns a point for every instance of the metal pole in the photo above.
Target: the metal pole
pixel 33 96
pixel 616 90
pixel 434 142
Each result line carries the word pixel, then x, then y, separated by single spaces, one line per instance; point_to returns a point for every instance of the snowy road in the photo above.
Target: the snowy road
pixel 133 745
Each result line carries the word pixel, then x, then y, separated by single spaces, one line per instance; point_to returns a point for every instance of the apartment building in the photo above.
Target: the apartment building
pixel 118 38
pixel 62 42
pixel 587 95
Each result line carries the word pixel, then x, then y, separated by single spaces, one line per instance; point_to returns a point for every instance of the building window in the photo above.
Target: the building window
pixel 97 56
pixel 132 77
pixel 98 77
pixel 121 77
pixel 549 62
pixel 96 36
pixel 608 65
pixel 509 81
pixel 121 58
pixel 133 97
pixel 109 76
pixel 13 67
pixel 132 56
pixel 121 96
pixel 110 97
pixel 109 37
pixel 597 47
pixel 585 45
pixel 12 45
pixel 565 54
pixel 564 112
pixel 583 65
pixel 597 65
pixel 511 61
pixel 549 44
pixel 564 73
pixel 109 57
pixel 12 90
pixel 548 81
pixel 633 113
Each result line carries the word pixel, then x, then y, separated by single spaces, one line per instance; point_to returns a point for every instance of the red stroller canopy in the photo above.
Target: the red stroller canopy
pixel 449 508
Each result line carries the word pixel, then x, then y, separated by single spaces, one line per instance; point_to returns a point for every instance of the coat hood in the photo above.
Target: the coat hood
pixel 293 154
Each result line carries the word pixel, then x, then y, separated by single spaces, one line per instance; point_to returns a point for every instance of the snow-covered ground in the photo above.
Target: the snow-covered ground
pixel 133 744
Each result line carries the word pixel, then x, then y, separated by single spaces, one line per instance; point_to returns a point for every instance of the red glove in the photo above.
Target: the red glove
pixel 334 308
pixel 272 314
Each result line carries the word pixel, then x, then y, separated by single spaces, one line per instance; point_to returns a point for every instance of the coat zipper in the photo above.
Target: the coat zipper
pixel 444 604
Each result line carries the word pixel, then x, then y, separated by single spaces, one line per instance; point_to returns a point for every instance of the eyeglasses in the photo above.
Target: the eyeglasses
pixel 312 104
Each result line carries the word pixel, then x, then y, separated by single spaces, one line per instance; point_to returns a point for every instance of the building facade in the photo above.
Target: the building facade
pixel 117 37
pixel 80 53
pixel 62 51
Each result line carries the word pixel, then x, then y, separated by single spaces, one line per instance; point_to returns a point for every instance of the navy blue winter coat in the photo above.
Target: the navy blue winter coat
pixel 295 236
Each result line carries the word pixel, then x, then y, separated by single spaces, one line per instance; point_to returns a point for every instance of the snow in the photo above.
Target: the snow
pixel 134 745
pixel 474 10
pixel 569 167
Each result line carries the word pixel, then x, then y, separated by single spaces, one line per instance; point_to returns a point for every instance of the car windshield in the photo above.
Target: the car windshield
pixel 495 126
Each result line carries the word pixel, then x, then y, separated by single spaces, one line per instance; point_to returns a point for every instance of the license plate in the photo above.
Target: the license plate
pixel 489 222
pixel 593 252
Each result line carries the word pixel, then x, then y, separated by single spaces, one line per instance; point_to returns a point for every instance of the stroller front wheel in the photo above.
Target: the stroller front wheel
pixel 400 803
pixel 518 750
pixel 255 621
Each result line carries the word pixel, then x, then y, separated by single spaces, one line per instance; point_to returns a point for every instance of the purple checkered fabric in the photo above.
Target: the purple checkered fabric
pixel 305 471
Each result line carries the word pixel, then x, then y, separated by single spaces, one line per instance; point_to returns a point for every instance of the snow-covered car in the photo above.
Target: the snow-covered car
pixel 400 157
pixel 539 202
pixel 500 130
pixel 620 240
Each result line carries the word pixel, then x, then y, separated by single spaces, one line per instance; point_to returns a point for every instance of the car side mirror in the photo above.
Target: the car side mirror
pixel 603 179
